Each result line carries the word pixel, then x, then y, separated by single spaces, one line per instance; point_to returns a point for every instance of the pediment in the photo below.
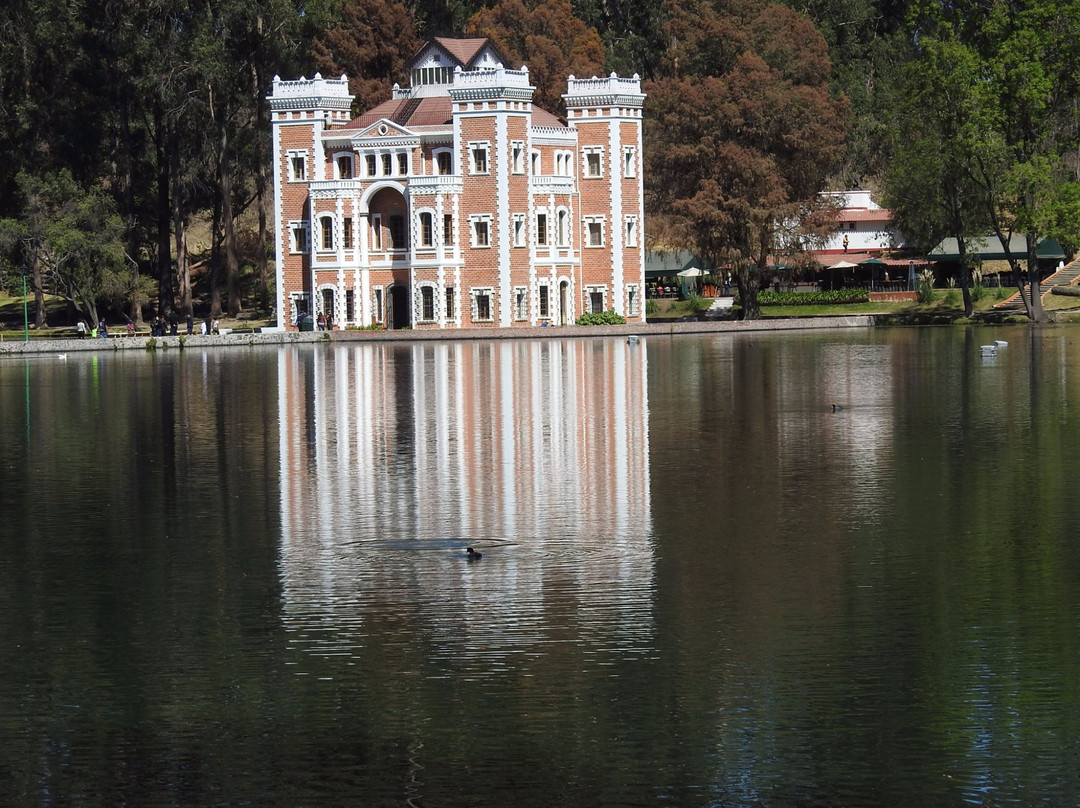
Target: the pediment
pixel 382 129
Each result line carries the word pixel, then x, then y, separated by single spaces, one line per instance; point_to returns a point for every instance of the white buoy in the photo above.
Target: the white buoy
pixel 632 339
pixel 1000 343
pixel 988 350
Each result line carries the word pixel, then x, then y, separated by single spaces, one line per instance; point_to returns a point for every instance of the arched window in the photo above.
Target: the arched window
pixel 427 229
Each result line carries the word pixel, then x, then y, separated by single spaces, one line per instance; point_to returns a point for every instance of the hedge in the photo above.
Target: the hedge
pixel 828 298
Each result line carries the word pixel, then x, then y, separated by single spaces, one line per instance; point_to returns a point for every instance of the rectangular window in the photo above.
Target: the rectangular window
pixel 299 233
pixel 427 303
pixel 448 229
pixel 481 231
pixel 445 163
pixel 327 226
pixel 297 166
pixel 377 303
pixel 542 303
pixel 594 232
pixel 541 229
pixel 403 165
pixel 350 306
pixel 631 231
pixel 369 160
pixel 478 153
pixel 483 304
pixel 387 165
pixel 376 233
pixel 517 157
pixel 596 301
pixel 633 305
pixel 519 230
pixel 521 303
pixel 629 162
pixel 344 164
pixel 427 234
pixel 562 233
pixel 397 233
pixel 346 233
pixel 592 163
pixel 449 302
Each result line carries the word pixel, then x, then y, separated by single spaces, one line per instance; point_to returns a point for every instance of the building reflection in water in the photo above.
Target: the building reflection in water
pixel 395 457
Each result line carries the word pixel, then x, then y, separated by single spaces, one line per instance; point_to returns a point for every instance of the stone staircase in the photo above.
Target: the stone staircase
pixel 1066 276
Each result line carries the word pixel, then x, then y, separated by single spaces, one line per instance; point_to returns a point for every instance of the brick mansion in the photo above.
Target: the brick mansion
pixel 457 203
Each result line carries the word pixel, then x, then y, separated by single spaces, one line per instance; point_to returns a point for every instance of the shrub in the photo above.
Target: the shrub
pixel 832 297
pixel 952 297
pixel 1067 291
pixel 603 318
pixel 697 303
pixel 651 306
pixel 926 286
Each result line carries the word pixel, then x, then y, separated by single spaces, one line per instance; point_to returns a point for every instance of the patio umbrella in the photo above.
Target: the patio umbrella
pixel 872 262
pixel 843 265
pixel 692 272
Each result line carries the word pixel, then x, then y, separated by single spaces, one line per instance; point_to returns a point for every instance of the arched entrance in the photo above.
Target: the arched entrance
pixel 564 303
pixel 399 307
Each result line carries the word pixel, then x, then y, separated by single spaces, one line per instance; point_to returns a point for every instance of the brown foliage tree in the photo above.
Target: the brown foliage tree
pixel 371 44
pixel 741 135
pixel 546 36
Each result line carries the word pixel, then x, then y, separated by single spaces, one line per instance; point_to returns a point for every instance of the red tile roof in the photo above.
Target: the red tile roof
pixel 431 111
pixel 464 50
pixel 864 215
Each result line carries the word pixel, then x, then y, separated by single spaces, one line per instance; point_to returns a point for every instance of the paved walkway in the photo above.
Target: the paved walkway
pixel 65 346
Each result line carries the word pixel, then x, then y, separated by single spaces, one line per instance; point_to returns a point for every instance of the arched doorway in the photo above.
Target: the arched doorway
pixel 399 307
pixel 564 303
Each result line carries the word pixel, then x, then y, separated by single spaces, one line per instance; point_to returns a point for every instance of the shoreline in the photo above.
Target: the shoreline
pixel 233 340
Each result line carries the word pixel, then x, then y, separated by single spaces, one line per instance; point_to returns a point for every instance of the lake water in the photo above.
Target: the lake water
pixel 238 577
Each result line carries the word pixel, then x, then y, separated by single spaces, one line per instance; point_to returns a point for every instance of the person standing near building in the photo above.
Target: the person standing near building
pixel 80 329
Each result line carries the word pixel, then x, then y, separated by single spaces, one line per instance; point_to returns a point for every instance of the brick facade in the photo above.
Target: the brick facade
pixel 457 203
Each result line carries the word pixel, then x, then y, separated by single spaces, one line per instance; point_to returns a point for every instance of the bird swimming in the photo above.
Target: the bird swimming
pixel 837 407
pixel 472 554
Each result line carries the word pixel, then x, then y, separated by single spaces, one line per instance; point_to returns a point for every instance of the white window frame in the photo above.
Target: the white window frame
pixel 338 157
pixel 563 239
pixel 518 225
pixel 428 288
pixel 435 154
pixel 586 153
pixel 378 303
pixel 535 162
pixel 564 163
pixel 517 156
pixel 630 162
pixel 371 165
pixel 542 236
pixel 420 242
pixel 322 219
pixel 633 300
pixel 292 156
pixel 475 221
pixel 521 303
pixel 543 301
pixel 589 292
pixel 480 146
pixel 630 231
pixel 449 303
pixel 476 293
pixel 589 222
pixel 401 160
pixel 375 226
pixel 295 227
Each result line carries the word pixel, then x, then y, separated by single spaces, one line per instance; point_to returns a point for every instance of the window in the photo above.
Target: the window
pixel 427 303
pixel 397 233
pixel 629 162
pixel 346 234
pixel 427 234
pixel 326 229
pixel 387 163
pixel 481 231
pixel 521 303
pixel 562 233
pixel 631 231
pixel 377 304
pixel 517 157
pixel 592 162
pixel 376 232
pixel 350 306
pixel 403 165
pixel 534 163
pixel 543 304
pixel 344 167
pixel 563 163
pixel 370 161
pixel 594 231
pixel 299 233
pixel 448 229
pixel 633 308
pixel 541 229
pixel 297 166
pixel 444 161
pixel 596 299
pixel 519 230
pixel 449 302
pixel 481 304
pixel 478 153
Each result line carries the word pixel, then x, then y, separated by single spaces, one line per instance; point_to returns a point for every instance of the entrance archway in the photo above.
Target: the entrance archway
pixel 399 307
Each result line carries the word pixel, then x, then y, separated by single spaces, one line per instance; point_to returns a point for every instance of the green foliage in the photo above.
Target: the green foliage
pixel 926 286
pixel 1067 291
pixel 698 304
pixel 952 297
pixel 603 318
pixel 826 298
pixel 651 307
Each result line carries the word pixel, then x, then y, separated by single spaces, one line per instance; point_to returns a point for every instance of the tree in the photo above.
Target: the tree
pixel 546 36
pixel 71 240
pixel 741 134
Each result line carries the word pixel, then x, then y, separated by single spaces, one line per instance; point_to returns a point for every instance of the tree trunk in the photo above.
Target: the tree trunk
pixel 166 304
pixel 215 258
pixel 40 318
pixel 1036 307
pixel 965 277
pixel 232 263
pixel 262 123
pixel 128 195
pixel 748 289
pixel 183 268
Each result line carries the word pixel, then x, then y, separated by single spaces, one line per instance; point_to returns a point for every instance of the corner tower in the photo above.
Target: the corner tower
pixel 607 116
pixel 299 112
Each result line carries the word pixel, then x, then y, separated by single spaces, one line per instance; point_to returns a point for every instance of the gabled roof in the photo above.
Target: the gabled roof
pixel 408 112
pixel 991 248
pixel 463 52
